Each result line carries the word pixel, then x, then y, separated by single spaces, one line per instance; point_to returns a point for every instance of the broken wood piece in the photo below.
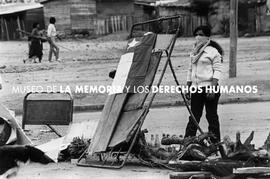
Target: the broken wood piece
pixel 238 142
pixel 266 144
pixel 249 139
pixel 188 175
pixel 252 170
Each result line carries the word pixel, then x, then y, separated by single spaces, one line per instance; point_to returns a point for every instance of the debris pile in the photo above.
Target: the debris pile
pixel 75 149
pixel 198 153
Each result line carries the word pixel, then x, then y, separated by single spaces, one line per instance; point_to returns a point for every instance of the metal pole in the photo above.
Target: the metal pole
pixel 233 37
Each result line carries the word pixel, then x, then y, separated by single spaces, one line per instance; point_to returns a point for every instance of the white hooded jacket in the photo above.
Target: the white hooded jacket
pixel 206 68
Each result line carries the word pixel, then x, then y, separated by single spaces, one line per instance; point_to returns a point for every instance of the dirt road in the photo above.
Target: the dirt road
pixel 233 118
pixel 88 62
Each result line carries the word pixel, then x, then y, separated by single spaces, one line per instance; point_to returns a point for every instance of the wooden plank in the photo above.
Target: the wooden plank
pixel 19 26
pixel 2 28
pixel 125 125
pixel 119 23
pixel 7 33
pixel 187 175
pixel 106 127
pixel 252 170
pixel 125 23
pixel 112 24
pixel 103 27
pixel 107 26
pixel 112 121
pixel 233 37
pixel 103 120
pixel 109 127
pixel 115 23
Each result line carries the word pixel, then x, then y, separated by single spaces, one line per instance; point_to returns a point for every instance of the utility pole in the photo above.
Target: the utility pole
pixel 233 37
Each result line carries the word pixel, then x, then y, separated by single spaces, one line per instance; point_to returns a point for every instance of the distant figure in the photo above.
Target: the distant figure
pixel 51 33
pixel 35 45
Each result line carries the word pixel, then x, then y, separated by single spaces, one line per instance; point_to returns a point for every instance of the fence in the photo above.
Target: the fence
pixel 115 24
pixel 123 23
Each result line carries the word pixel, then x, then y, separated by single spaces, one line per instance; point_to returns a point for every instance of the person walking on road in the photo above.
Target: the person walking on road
pixel 204 71
pixel 35 47
pixel 51 33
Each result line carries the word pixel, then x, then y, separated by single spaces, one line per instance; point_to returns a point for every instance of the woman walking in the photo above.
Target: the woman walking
pixel 35 46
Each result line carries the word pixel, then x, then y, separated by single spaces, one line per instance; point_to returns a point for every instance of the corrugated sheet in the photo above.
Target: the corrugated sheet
pixel 177 3
pixel 18 7
pixel 167 3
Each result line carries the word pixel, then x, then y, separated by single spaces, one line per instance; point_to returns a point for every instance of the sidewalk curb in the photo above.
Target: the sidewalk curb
pixel 159 104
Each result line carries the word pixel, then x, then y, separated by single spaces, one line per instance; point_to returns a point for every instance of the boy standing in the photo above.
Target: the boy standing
pixel 51 33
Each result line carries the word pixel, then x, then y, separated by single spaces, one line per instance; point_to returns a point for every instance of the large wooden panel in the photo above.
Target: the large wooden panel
pixel 125 125
pixel 82 13
pixel 112 121
pixel 107 125
pixel 61 11
pixel 103 120
pixel 107 9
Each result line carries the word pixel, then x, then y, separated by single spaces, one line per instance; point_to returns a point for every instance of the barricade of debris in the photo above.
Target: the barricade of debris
pixel 188 156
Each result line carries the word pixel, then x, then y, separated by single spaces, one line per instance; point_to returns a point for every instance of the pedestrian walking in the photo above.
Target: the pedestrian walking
pixel 204 71
pixel 52 34
pixel 35 45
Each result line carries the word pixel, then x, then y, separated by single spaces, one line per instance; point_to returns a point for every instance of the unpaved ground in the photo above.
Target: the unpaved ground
pixel 88 62
pixel 233 118
pixel 70 171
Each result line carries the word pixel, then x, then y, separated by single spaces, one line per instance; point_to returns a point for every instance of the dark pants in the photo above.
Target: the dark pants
pixel 198 101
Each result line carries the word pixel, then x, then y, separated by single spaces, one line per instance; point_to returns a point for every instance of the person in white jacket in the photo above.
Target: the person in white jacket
pixel 51 33
pixel 203 73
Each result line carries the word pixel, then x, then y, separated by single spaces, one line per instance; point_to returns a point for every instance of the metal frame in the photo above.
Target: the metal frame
pixel 25 109
pixel 103 163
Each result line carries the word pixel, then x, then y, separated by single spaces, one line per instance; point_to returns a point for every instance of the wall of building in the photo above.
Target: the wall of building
pixel 9 23
pixel 114 8
pixel 189 20
pixel 34 15
pixel 251 18
pixel 59 9
pixel 18 1
pixel 82 15
pixel 114 16
pixel 219 18
pixel 263 19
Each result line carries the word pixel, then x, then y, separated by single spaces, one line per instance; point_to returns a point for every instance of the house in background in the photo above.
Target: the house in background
pixel 146 9
pixel 152 9
pixel 89 16
pixel 190 18
pixel 252 17
pixel 19 15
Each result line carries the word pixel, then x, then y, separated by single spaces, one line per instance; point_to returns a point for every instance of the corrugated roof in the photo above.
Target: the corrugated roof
pixel 18 7
pixel 44 1
pixel 145 2
pixel 177 3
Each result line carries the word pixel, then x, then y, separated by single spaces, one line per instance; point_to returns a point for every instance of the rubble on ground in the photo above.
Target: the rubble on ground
pixel 200 154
